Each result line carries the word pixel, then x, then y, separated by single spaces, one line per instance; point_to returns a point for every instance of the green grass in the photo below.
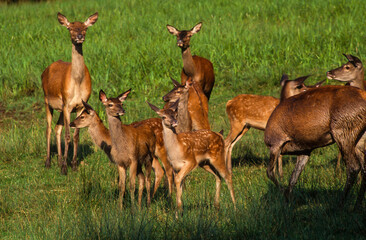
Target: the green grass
pixel 250 43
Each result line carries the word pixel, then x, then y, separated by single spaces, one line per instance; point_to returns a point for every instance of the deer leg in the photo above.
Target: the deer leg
pixel 58 131
pixel 148 167
pixel 362 159
pixel 141 179
pixel 300 165
pixel 168 169
pixel 338 165
pixel 233 137
pixel 184 171
pixel 66 113
pixel 49 114
pixel 159 173
pixel 274 153
pixel 76 143
pixel 133 172
pixel 218 185
pixel 226 175
pixel 121 184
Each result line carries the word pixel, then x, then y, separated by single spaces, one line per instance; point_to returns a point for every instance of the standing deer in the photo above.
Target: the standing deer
pixel 101 137
pixel 248 110
pixel 351 72
pixel 316 118
pixel 65 85
pixel 188 150
pixel 132 147
pixel 192 107
pixel 198 68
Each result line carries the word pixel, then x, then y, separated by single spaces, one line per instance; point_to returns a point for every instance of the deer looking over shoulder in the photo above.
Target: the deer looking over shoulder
pixel 192 107
pixel 101 137
pixel 248 110
pixel 65 85
pixel 198 68
pixel 352 73
pixel 188 150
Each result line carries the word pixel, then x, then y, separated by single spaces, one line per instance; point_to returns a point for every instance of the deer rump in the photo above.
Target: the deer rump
pixel 317 118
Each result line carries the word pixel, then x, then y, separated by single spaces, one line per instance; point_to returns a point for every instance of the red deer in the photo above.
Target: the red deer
pixel 192 108
pixel 132 147
pixel 316 118
pixel 65 85
pixel 188 150
pixel 198 68
pixel 248 110
pixel 101 137
pixel 351 72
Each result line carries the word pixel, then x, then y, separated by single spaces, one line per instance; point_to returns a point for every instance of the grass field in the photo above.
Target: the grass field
pixel 250 43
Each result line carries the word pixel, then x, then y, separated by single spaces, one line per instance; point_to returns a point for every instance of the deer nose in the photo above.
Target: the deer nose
pixel 180 43
pixel 72 124
pixel 174 123
pixel 330 75
pixel 80 36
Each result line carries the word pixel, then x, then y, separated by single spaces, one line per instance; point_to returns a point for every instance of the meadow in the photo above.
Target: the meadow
pixel 250 43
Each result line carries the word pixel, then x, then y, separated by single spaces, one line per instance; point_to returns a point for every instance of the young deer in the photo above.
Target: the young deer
pixel 192 108
pixel 247 110
pixel 316 118
pixel 199 68
pixel 132 147
pixel 188 150
pixel 101 137
pixel 351 72
pixel 65 85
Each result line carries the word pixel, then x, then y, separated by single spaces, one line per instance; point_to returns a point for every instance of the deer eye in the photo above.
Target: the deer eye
pixel 347 67
pixel 82 117
pixel 110 105
pixel 299 87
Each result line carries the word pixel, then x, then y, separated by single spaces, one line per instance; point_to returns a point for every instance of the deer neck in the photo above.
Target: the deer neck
pixel 118 133
pixel 77 63
pixel 359 81
pixel 171 142
pixel 189 67
pixel 100 135
pixel 184 119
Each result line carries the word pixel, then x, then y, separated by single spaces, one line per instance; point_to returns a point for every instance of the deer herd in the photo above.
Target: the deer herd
pixel 303 119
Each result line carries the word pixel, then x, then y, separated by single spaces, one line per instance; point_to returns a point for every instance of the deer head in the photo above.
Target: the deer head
pixel 77 29
pixel 348 71
pixel 292 87
pixel 114 106
pixel 169 115
pixel 184 36
pixel 85 118
pixel 177 91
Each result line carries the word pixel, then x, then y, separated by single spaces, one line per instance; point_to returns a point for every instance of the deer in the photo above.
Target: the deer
pixel 247 111
pixel 133 147
pixel 192 108
pixel 352 73
pixel 198 68
pixel 316 118
pixel 65 85
pixel 188 150
pixel 100 135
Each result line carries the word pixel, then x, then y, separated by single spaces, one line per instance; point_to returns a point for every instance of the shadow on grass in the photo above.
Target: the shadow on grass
pixel 84 150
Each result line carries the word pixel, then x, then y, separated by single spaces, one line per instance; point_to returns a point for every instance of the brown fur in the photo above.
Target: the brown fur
pixel 101 137
pixel 246 111
pixel 198 68
pixel 65 85
pixel 317 118
pixel 186 151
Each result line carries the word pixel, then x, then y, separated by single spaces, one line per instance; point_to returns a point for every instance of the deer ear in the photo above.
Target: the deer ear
pixel 87 107
pixel 176 83
pixel 301 80
pixel 172 30
pixel 154 108
pixel 63 20
pixel 196 28
pixel 318 84
pixel 122 97
pixel 284 78
pixel 102 96
pixel 91 20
